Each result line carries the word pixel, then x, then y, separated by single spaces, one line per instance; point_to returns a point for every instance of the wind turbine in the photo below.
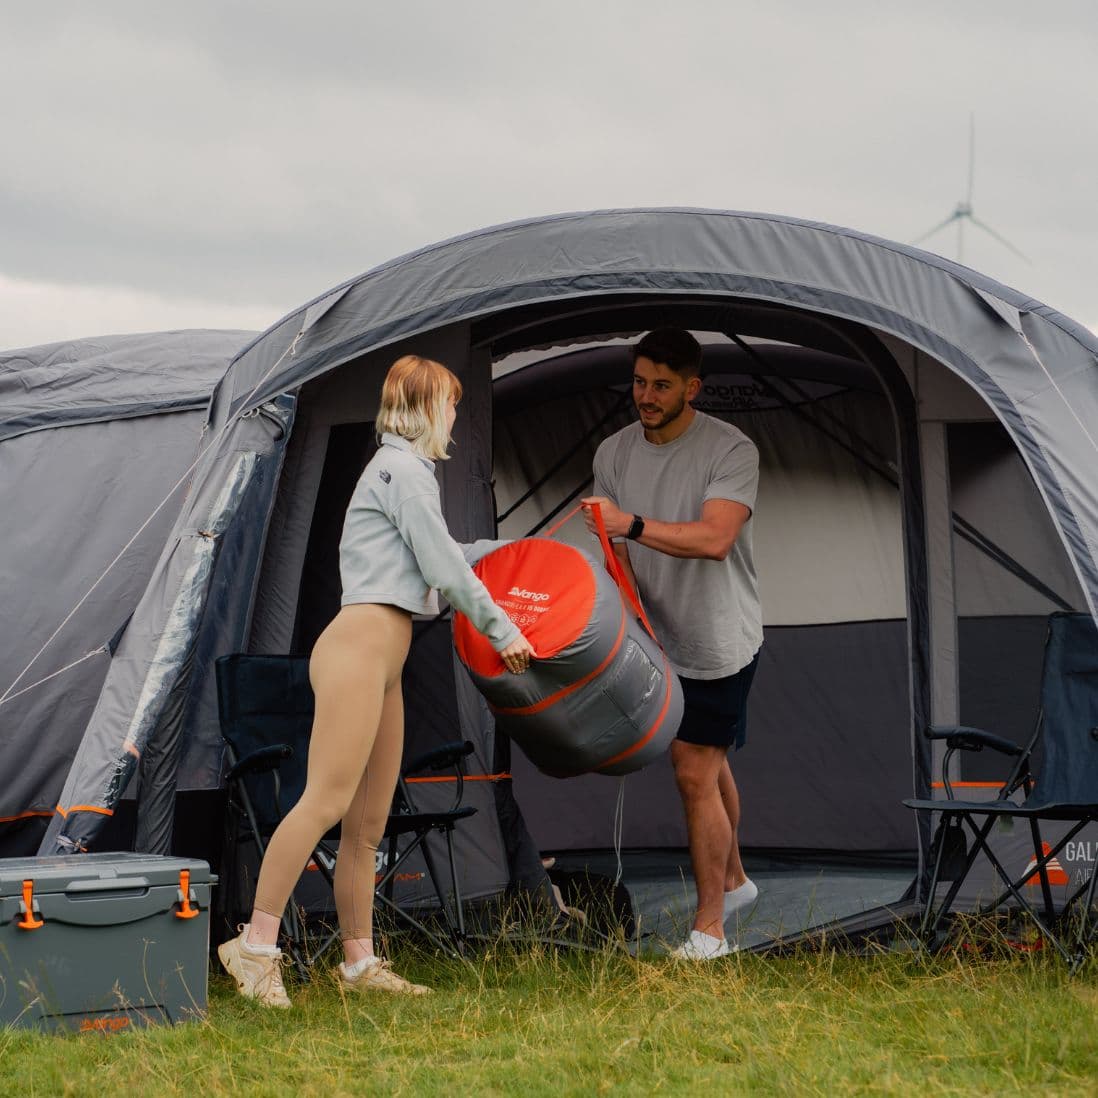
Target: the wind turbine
pixel 963 211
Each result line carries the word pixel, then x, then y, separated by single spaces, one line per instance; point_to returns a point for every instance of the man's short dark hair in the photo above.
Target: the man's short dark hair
pixel 674 348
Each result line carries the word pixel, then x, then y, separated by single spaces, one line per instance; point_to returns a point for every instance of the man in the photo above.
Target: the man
pixel 677 491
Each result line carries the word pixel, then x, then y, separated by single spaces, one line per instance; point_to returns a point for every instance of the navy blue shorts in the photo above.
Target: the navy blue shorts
pixel 715 713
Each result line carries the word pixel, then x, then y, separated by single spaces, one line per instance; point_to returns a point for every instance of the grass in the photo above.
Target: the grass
pixel 538 1021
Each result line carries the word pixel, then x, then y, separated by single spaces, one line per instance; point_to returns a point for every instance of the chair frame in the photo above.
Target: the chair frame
pixel 979 818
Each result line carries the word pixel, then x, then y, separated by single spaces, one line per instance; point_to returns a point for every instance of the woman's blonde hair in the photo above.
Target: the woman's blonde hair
pixel 414 397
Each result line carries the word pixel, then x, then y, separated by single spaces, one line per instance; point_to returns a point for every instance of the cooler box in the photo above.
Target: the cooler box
pixel 103 942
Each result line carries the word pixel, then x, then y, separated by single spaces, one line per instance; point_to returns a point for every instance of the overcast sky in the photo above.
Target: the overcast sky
pixel 215 164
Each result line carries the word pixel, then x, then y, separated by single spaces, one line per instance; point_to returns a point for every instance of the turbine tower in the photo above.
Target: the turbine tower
pixel 963 211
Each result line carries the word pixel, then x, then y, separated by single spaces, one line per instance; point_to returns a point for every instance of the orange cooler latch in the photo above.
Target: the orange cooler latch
pixel 184 910
pixel 29 909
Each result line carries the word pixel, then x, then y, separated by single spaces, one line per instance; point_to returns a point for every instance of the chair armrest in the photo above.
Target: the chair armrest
pixel 259 762
pixel 972 739
pixel 440 758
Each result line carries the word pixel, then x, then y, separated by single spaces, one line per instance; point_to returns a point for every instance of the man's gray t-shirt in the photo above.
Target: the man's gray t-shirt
pixel 705 613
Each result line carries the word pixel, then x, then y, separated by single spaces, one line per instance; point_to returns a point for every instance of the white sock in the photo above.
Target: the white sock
pixel 352 972
pixel 258 950
pixel 696 934
pixel 739 898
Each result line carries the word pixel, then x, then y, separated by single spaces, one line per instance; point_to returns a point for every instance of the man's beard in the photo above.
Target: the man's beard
pixel 669 416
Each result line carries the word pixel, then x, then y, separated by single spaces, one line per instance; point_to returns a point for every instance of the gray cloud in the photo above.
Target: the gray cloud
pixel 250 152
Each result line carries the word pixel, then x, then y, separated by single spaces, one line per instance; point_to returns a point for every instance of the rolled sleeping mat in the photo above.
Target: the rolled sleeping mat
pixel 601 696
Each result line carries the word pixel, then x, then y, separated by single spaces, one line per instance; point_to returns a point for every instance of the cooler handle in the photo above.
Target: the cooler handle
pixel 107 884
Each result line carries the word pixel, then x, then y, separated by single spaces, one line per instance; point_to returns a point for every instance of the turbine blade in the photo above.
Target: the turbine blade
pixel 948 221
pixel 971 153
pixel 1002 239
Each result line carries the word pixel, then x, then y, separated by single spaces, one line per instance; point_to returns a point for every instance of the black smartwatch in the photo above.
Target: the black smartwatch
pixel 636 528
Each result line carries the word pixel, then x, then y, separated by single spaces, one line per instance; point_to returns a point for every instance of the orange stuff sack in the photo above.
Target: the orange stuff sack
pixel 601 695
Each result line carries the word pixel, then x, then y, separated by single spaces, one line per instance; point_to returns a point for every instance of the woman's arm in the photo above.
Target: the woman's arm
pixel 443 566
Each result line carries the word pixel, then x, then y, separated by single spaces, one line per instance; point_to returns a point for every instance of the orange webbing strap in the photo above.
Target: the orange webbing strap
pixel 613 566
pixel 560 522
pixel 502 776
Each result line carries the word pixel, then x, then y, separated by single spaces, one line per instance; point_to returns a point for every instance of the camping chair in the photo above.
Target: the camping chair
pixel 1065 791
pixel 266 711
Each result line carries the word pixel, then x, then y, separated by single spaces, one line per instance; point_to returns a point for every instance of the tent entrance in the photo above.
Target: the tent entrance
pixel 829 753
pixel 850 676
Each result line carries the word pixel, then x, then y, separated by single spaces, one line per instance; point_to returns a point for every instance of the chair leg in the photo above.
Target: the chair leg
pixel 1046 888
pixel 456 926
pixel 1012 890
pixel 459 910
pixel 383 895
pixel 932 920
pixel 928 910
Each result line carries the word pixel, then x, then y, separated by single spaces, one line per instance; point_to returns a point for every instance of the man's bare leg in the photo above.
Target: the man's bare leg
pixel 697 769
pixel 734 874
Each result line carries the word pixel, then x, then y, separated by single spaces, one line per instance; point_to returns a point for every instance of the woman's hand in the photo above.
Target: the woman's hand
pixel 517 655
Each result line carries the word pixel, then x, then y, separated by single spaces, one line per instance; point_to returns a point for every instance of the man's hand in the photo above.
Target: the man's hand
pixel 616 521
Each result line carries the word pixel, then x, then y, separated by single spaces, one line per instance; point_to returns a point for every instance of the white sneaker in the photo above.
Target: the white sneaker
pixel 702 947
pixel 740 898
pixel 374 974
pixel 256 970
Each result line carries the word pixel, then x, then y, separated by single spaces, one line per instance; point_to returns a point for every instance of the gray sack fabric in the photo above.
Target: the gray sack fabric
pixel 601 696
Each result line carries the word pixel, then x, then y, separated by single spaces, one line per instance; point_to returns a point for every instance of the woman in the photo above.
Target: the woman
pixel 395 549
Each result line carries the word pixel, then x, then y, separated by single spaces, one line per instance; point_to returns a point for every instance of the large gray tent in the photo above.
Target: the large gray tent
pixel 905 346
pixel 94 435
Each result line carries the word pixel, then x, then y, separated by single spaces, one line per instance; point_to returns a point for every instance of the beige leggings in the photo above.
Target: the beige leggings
pixel 354 762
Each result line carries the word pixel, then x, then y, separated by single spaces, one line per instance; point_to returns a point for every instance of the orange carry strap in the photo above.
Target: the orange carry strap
pixel 613 565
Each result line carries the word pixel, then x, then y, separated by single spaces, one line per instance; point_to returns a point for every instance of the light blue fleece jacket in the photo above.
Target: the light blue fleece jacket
pixel 396 548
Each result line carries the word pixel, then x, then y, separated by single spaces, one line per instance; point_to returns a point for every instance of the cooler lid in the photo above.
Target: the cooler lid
pixel 57 872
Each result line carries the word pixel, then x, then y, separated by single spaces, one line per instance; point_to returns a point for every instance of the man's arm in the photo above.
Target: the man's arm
pixel 710 538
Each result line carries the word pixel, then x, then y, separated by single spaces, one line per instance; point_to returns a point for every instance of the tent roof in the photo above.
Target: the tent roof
pixel 754 257
pixel 111 377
